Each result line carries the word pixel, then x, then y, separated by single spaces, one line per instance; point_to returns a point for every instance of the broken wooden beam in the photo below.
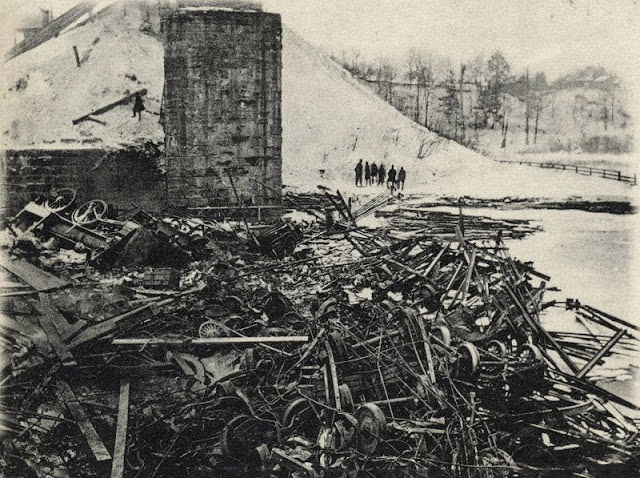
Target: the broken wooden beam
pixel 63 327
pixel 119 448
pixel 96 120
pixel 610 317
pixel 338 208
pixel 108 326
pixel 213 340
pixel 96 445
pixel 601 353
pixel 54 338
pixel 589 387
pixel 37 278
pixel 75 52
pixel 110 106
pixel 347 209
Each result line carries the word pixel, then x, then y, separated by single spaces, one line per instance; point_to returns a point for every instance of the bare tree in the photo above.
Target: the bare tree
pixel 426 79
pixel 477 70
pixel 413 62
pixel 463 67
pixel 355 54
pixel 389 75
pixel 527 102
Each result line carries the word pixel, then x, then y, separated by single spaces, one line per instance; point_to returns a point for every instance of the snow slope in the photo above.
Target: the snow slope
pixel 117 59
pixel 329 119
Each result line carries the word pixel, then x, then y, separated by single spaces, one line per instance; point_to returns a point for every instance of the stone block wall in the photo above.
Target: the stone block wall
pixel 123 178
pixel 222 107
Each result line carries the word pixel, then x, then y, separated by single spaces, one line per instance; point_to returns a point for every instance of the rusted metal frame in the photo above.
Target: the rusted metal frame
pixel 454 277
pixel 391 369
pixel 541 330
pixel 464 287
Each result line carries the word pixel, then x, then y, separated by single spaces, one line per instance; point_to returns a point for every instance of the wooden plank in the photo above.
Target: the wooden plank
pixel 610 317
pixel 119 449
pixel 213 340
pixel 34 276
pixel 601 353
pixel 347 209
pixel 96 445
pixel 108 326
pixel 61 350
pixel 19 293
pixel 335 204
pixel 437 258
pixel 110 106
pixel 62 326
pixel 268 347
pixel 467 280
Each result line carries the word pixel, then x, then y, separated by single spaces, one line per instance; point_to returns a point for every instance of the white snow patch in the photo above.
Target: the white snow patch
pixel 329 119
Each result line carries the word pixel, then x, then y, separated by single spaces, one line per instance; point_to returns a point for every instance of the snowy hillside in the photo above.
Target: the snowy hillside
pixel 43 90
pixel 329 119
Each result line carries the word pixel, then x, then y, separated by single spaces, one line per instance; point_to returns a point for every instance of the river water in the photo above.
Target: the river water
pixel 589 256
pixel 593 257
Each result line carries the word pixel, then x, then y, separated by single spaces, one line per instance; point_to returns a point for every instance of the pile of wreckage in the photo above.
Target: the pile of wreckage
pixel 184 346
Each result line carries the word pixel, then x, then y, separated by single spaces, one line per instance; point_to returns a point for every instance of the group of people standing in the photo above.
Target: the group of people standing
pixel 377 175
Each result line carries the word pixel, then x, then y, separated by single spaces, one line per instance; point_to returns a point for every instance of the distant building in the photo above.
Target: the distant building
pixel 31 27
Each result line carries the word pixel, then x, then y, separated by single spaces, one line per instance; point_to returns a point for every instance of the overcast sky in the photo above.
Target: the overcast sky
pixel 556 36
pixel 551 35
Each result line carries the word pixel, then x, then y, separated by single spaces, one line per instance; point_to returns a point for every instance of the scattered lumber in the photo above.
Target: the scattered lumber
pixel 69 398
pixel 37 278
pixel 411 349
